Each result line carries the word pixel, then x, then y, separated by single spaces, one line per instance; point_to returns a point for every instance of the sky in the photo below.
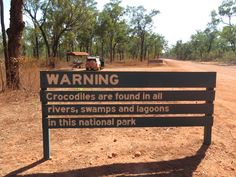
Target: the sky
pixel 178 19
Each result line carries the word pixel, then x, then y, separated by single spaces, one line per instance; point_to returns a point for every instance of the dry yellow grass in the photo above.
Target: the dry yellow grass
pixel 30 67
pixel 29 74
pixel 88 152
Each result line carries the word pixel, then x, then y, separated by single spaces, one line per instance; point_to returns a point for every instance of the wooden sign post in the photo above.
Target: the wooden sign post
pixel 184 98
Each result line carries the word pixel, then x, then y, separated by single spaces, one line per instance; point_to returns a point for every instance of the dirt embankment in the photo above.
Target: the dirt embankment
pixel 147 152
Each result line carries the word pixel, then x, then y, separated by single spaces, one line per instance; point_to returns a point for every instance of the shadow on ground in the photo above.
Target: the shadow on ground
pixel 183 167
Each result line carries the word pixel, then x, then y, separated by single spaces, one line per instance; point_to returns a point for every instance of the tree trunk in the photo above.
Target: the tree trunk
pixel 114 51
pixel 142 46
pixel 102 50
pixel 14 41
pixel 36 46
pixel 233 45
pixel 4 41
pixel 55 45
pixel 90 45
pixel 71 46
pixel 145 53
pixel 210 45
pixel 45 40
pixel 111 50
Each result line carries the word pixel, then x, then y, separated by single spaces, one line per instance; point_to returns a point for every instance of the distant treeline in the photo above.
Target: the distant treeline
pixel 57 27
pixel 217 41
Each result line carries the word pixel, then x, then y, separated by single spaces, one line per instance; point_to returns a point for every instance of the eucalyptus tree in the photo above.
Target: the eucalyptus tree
pixel 215 41
pixel 132 48
pixel 199 45
pixel 182 50
pixel 141 22
pixel 68 42
pixel 35 8
pixel 54 18
pixel 85 36
pixel 37 11
pixel 32 42
pixel 121 40
pixel 3 46
pixel 229 33
pixel 212 32
pixel 14 33
pixel 227 11
pixel 155 44
pixel 101 31
pixel 3 35
pixel 111 18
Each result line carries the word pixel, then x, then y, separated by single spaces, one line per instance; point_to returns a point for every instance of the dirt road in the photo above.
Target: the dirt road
pixel 146 152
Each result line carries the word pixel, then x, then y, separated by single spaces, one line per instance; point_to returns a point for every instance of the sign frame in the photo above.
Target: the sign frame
pixel 175 87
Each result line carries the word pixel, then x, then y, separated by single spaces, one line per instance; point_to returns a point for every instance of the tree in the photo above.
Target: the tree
pixel 101 31
pixel 199 45
pixel 229 33
pixel 32 42
pixel 121 39
pixel 112 15
pixel 4 40
pixel 133 50
pixel 57 18
pixel 211 31
pixel 14 43
pixel 141 23
pixel 212 42
pixel 182 50
pixel 86 34
pixel 228 10
pixel 155 44
pixel 33 8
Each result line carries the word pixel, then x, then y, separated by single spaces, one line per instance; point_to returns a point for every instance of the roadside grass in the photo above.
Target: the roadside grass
pixel 29 74
pixel 30 67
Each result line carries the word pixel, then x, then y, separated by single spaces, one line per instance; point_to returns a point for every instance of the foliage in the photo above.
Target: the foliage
pixel 214 42
pixel 57 18
pixel 76 25
pixel 141 24
pixel 229 57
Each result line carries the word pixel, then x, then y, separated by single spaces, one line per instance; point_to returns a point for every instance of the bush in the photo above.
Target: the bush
pixel 229 57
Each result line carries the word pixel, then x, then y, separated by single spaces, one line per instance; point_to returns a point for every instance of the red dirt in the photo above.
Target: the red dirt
pixel 138 152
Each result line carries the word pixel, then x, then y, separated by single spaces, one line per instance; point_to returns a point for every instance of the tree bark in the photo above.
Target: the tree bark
pixel 102 50
pixel 36 53
pixel 4 40
pixel 36 48
pixel 114 51
pixel 111 50
pixel 142 38
pixel 232 45
pixel 14 41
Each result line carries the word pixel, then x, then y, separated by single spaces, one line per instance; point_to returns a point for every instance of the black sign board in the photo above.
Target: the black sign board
pixel 126 99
